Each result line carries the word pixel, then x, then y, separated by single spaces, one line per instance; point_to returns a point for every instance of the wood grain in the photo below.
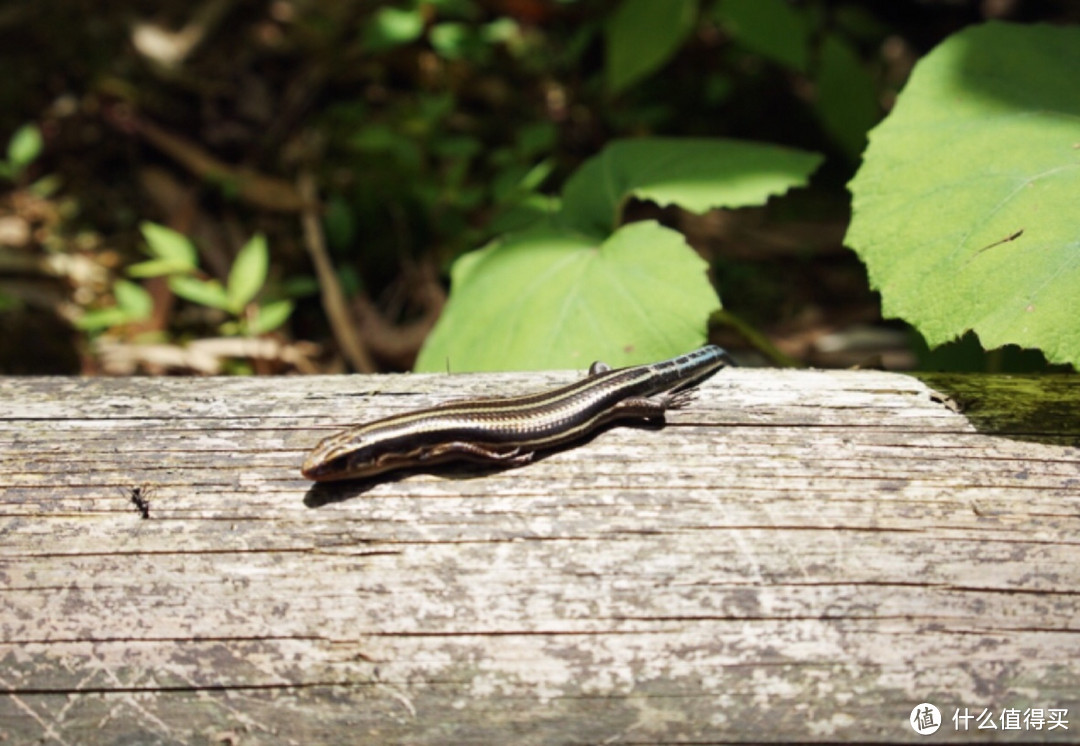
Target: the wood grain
pixel 798 556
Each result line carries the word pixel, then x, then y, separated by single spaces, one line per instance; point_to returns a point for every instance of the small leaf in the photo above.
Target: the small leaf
pixel 102 318
pixel 537 175
pixel 24 147
pixel 965 208
pixel 392 27
pixel 642 35
pixel 165 243
pixel 204 292
pixel 270 316
pixel 46 186
pixel 133 303
pixel 133 299
pixel 501 31
pixel 157 268
pixel 452 40
pixel 248 272
pixel 552 298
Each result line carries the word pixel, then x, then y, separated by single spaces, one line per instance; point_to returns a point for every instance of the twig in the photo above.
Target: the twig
pixel 261 190
pixel 203 356
pixel 333 297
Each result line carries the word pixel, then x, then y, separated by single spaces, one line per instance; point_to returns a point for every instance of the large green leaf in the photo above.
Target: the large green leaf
pixel 552 298
pixel 695 174
pixel 965 210
pixel 642 35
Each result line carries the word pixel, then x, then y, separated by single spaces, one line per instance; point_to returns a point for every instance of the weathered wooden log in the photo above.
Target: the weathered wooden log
pixel 797 556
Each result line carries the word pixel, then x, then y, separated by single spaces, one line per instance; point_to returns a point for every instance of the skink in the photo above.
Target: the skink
pixel 509 431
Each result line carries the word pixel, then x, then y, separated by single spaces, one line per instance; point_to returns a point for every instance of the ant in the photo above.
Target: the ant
pixel 140 497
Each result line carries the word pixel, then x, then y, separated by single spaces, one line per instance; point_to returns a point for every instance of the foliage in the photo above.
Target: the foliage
pixel 798 40
pixel 642 35
pixel 23 149
pixel 175 256
pixel 436 126
pixel 133 304
pixel 965 210
pixel 576 285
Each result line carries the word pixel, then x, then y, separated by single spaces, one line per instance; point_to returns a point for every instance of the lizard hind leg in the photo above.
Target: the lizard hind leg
pixel 478 453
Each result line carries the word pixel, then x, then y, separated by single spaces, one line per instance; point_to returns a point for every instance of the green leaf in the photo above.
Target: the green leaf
pixel 248 273
pixel 157 268
pixel 204 292
pixel 775 29
pixel 46 186
pixel 452 41
pixel 846 95
pixel 965 210
pixel 695 174
pixel 102 318
pixel 24 147
pixel 537 175
pixel 270 316
pixel 165 243
pixel 133 303
pixel 550 297
pixel 133 299
pixel 392 27
pixel 500 31
pixel 642 35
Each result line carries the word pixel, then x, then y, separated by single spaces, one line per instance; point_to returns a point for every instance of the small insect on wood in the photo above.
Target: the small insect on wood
pixel 140 498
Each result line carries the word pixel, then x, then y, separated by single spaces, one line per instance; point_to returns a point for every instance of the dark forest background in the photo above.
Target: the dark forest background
pixel 385 140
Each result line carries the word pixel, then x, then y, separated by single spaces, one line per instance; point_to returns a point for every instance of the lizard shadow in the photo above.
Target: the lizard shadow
pixel 321 494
